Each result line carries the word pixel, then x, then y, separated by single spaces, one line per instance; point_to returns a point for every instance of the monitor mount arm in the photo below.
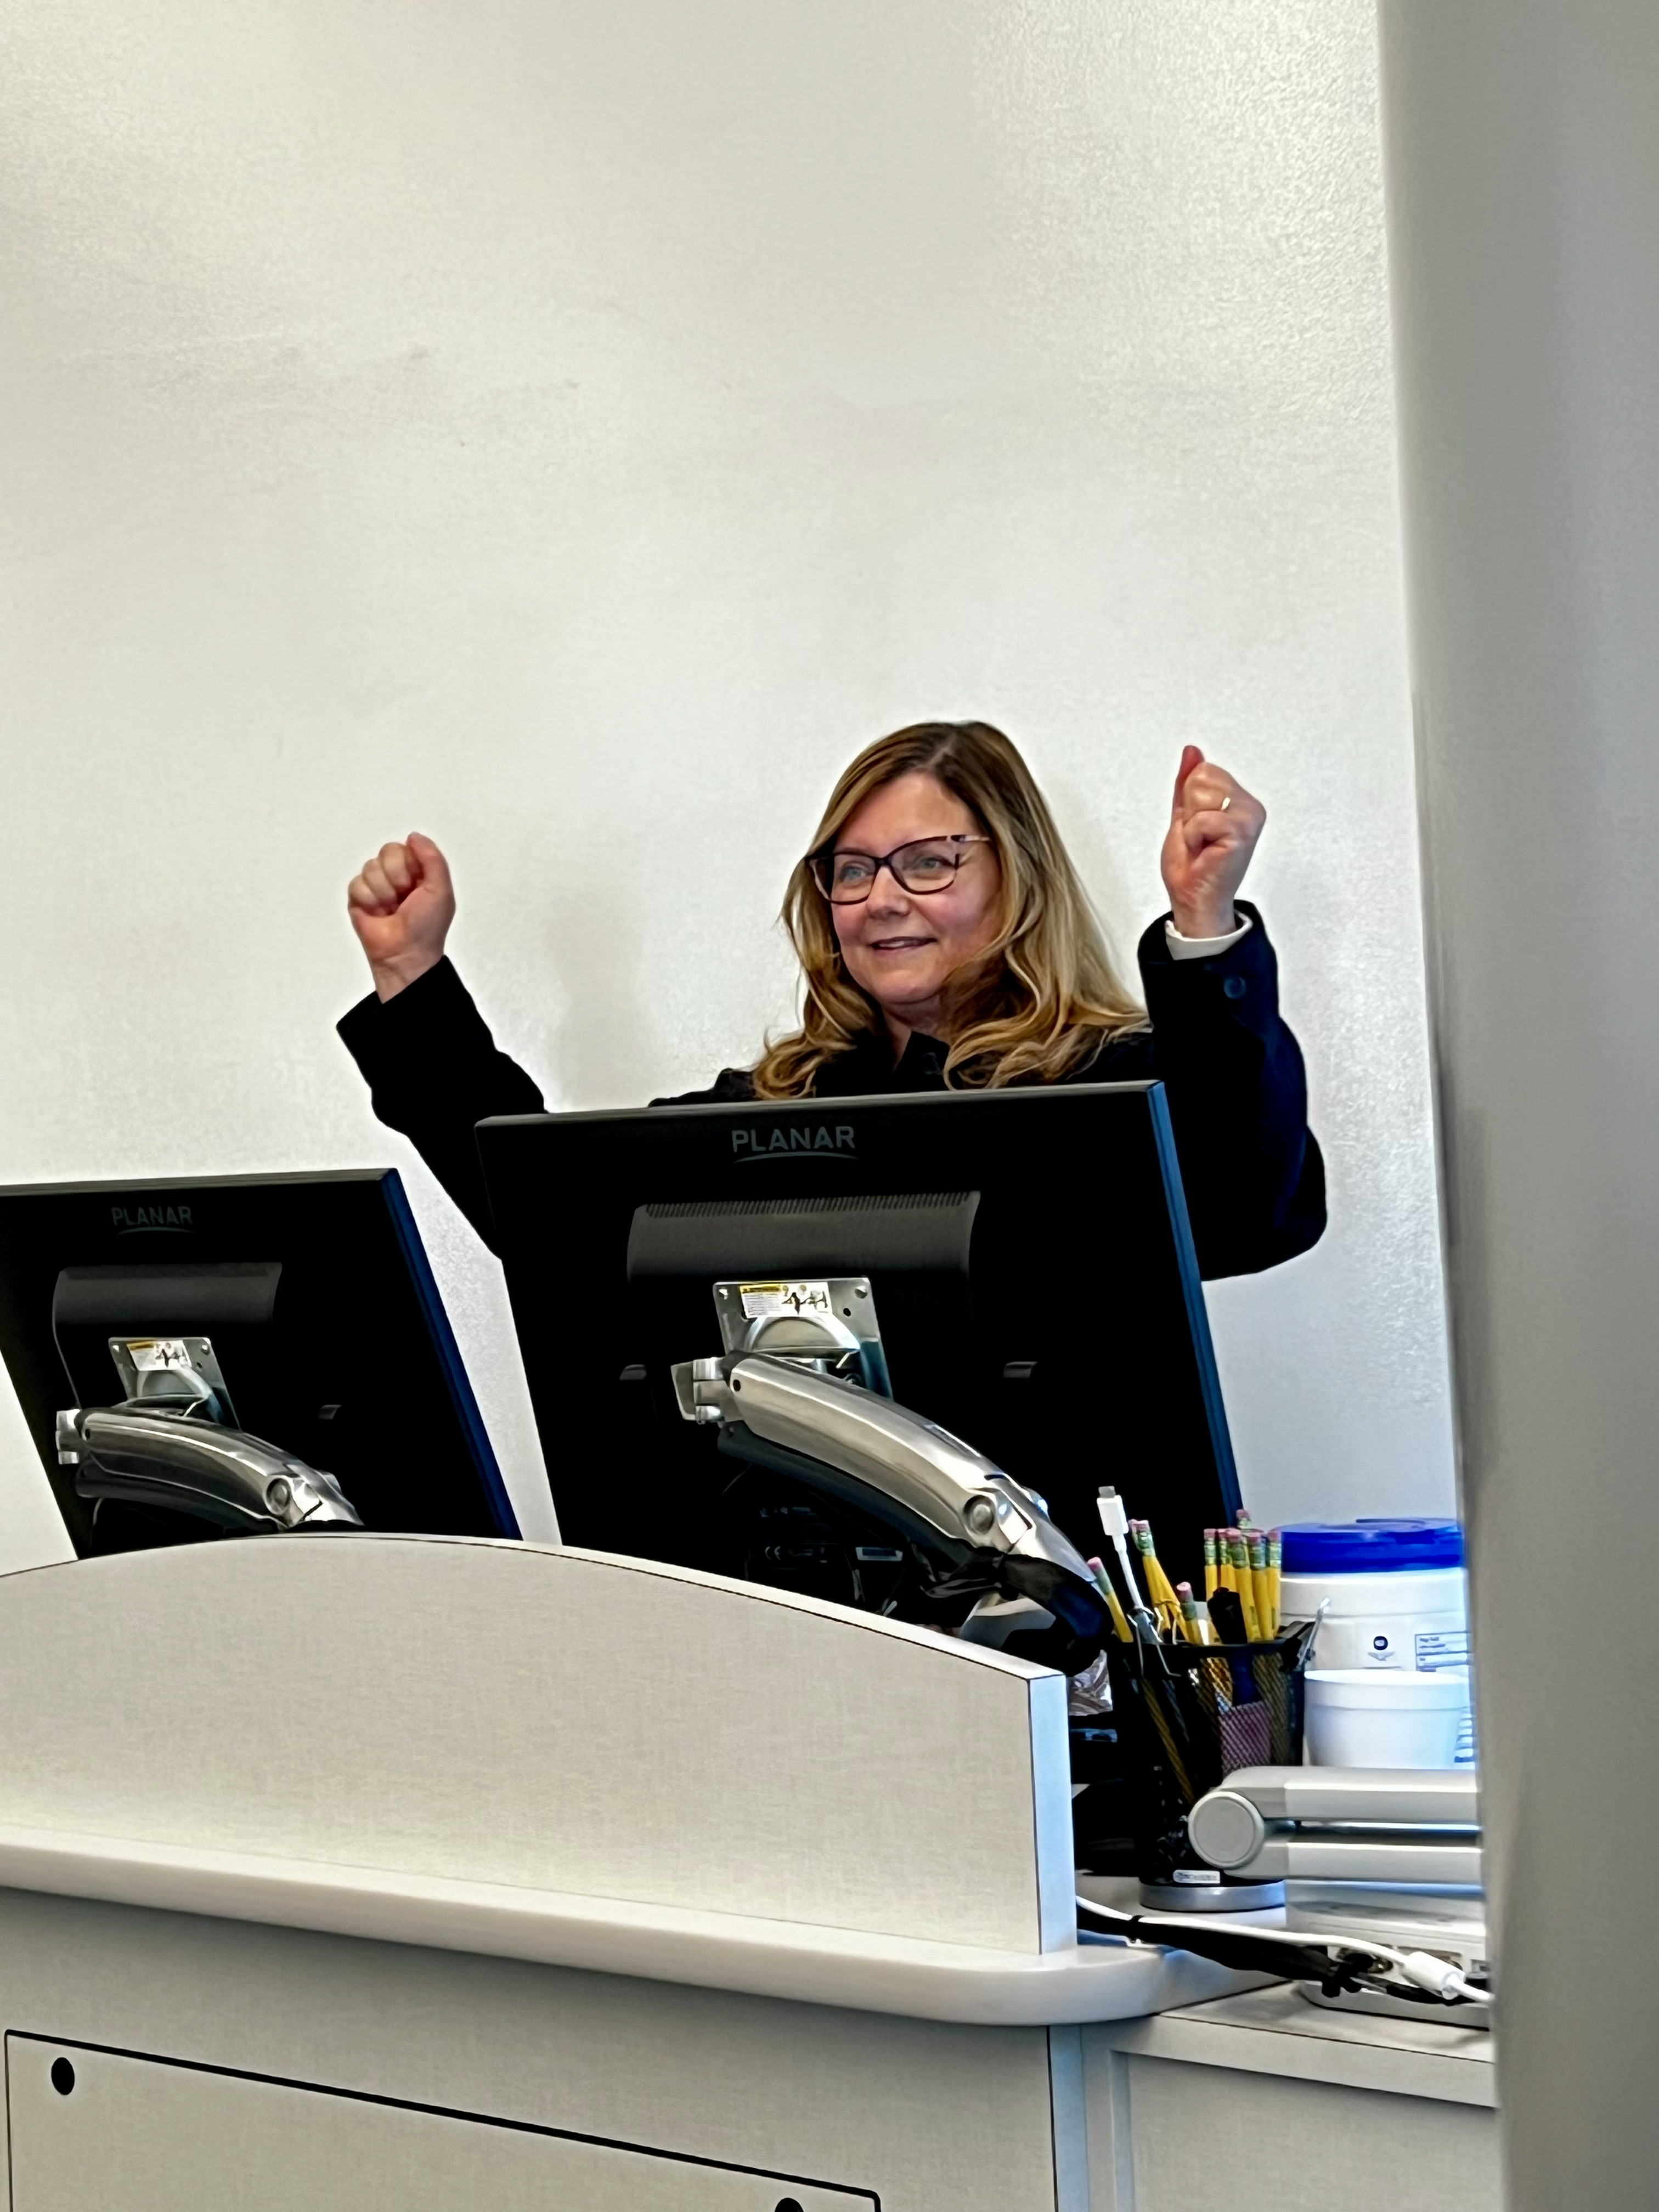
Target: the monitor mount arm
pixel 148 1456
pixel 170 1444
pixel 987 1533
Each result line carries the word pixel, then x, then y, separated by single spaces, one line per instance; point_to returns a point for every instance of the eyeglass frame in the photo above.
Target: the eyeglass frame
pixel 886 860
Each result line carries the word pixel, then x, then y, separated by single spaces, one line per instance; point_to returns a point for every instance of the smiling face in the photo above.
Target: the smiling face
pixel 901 947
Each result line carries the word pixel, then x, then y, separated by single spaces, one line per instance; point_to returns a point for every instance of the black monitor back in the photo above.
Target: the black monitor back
pixel 324 1316
pixel 1030 1261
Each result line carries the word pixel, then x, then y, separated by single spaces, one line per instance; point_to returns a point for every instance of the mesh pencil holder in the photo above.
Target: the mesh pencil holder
pixel 1187 1715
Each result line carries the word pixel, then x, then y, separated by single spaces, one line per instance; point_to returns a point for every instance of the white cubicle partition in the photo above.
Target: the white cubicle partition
pixel 547 1721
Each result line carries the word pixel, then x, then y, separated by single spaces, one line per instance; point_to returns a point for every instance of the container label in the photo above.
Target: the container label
pixel 1438 1649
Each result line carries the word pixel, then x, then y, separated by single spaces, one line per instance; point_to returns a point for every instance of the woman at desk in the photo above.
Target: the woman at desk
pixel 944 941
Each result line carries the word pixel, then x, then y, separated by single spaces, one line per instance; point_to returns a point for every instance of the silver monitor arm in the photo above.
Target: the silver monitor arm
pixel 145 1455
pixel 947 1497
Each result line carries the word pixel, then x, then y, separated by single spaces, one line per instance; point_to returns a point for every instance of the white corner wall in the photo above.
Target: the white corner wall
pixel 572 427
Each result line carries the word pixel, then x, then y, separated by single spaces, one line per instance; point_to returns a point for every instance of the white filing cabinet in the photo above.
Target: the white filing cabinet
pixel 1265 2103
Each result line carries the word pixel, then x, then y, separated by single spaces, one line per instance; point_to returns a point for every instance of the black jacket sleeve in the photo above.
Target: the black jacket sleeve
pixel 1238 1103
pixel 434 1073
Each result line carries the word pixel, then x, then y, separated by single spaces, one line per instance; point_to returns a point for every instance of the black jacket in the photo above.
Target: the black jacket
pixel 1237 1092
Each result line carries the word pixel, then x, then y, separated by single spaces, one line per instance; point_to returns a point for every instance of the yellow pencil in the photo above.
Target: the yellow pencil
pixel 1159 1588
pixel 1120 1619
pixel 1238 1554
pixel 1212 1577
pixel 1264 1612
pixel 1275 1562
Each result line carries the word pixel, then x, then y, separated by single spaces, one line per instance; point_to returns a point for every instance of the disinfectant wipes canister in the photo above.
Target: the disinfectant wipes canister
pixel 1395 1594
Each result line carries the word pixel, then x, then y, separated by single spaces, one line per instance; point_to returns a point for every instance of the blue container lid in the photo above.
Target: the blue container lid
pixel 1370 1547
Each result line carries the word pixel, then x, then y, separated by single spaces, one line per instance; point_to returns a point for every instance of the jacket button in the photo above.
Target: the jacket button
pixel 1235 987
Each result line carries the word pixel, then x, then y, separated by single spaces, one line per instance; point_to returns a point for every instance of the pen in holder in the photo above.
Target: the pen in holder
pixel 1187 1715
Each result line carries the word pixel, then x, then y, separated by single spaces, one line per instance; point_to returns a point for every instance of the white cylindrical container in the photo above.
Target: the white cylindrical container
pixel 1395 1599
pixel 1384 1715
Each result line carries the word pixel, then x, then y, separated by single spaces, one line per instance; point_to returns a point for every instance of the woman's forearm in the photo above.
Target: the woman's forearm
pixel 434 1073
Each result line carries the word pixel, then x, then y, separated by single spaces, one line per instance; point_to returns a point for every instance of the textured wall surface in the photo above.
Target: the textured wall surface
pixel 572 428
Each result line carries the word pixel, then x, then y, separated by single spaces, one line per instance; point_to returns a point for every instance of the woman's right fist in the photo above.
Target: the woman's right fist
pixel 401 906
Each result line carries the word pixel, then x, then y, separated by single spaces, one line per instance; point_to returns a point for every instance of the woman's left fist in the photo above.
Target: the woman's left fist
pixel 1213 827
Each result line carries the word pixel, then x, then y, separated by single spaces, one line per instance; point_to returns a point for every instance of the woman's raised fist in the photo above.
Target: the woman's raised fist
pixel 1213 826
pixel 401 906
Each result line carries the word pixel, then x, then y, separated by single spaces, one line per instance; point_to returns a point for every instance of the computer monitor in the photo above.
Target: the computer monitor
pixel 324 1320
pixel 1032 1273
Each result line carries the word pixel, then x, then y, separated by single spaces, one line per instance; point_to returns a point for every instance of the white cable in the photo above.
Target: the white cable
pixel 1421 1968
pixel 1115 1522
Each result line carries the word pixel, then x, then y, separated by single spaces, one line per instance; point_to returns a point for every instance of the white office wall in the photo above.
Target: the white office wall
pixel 572 427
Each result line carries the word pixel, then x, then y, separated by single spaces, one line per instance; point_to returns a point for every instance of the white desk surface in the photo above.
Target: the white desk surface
pixel 921 1980
pixel 1277 2031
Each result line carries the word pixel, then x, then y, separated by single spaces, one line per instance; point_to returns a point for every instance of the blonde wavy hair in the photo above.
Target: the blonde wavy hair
pixel 1042 1000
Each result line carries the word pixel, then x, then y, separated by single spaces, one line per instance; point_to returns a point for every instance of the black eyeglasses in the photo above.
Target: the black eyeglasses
pixel 926 864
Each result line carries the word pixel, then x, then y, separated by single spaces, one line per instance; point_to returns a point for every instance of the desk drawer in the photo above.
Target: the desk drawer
pixel 95 2130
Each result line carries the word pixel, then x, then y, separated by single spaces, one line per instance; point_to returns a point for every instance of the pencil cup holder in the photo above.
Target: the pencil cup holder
pixel 1187 1715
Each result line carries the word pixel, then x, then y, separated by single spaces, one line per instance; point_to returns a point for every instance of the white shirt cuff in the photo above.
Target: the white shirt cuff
pixel 1201 948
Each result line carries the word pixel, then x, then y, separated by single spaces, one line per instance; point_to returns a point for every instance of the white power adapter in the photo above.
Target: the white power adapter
pixel 1115 1522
